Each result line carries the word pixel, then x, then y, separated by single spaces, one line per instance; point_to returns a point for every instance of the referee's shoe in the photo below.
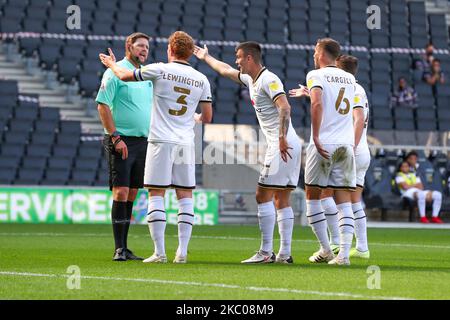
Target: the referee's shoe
pixel 122 254
pixel 130 255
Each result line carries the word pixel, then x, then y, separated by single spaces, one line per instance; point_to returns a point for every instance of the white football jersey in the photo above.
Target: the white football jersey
pixel 178 89
pixel 362 102
pixel 338 94
pixel 264 91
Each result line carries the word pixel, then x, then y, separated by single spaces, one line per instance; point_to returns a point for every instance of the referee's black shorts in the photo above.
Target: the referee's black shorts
pixel 129 172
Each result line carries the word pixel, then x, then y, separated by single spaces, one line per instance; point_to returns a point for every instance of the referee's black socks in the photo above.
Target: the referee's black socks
pixel 127 225
pixel 120 223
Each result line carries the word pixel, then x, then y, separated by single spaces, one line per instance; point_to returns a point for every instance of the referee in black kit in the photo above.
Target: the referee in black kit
pixel 124 109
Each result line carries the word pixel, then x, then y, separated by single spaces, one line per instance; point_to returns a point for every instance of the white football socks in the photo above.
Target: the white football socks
pixel 346 228
pixel 185 223
pixel 285 228
pixel 437 201
pixel 156 219
pixel 331 214
pixel 360 227
pixel 421 195
pixel 318 223
pixel 266 217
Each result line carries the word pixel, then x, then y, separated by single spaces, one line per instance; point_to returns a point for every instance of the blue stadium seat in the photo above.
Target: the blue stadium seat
pixel 17 138
pixel 89 84
pixel 82 177
pixel 38 150
pixel 64 151
pixel 67 139
pixel 45 125
pixel 56 177
pixel 7 176
pixel 70 127
pixel 48 113
pixel 59 163
pixel 42 138
pixel 49 56
pixel 26 113
pixel 37 163
pixel 9 163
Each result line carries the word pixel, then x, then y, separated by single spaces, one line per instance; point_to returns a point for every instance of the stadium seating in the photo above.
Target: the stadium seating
pixel 37 147
pixel 28 131
pixel 277 22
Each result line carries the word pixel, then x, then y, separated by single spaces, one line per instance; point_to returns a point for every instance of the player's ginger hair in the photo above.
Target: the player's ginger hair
pixel 348 63
pixel 182 45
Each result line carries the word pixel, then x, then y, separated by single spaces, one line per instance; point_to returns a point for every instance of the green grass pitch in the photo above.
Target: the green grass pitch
pixel 414 264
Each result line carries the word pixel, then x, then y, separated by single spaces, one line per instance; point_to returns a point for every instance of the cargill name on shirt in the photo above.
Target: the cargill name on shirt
pixel 183 80
pixel 337 79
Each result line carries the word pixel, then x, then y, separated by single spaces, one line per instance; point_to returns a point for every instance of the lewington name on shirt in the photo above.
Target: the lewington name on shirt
pixel 183 80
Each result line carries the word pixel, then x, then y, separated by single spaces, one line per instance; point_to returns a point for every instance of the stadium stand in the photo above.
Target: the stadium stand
pixel 37 147
pixel 29 130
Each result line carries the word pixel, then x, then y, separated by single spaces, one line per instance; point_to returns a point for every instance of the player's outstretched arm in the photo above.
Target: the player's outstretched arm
pixel 316 120
pixel 224 69
pixel 358 124
pixel 302 91
pixel 110 62
pixel 284 110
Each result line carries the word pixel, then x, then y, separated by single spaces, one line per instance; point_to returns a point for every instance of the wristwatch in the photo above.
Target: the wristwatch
pixel 115 134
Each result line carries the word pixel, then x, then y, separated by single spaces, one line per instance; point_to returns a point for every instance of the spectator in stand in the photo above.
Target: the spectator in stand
pixel 424 64
pixel 434 75
pixel 404 96
pixel 430 196
pixel 411 187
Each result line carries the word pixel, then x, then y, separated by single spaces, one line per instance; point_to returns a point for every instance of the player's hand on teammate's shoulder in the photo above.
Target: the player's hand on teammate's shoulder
pixel 284 149
pixel 200 52
pixel 302 91
pixel 108 60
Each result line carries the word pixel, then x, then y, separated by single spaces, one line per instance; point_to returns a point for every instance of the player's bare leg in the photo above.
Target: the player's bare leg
pixel 266 218
pixel 346 226
pixel 156 219
pixel 317 221
pixel 285 219
pixel 185 223
pixel 362 249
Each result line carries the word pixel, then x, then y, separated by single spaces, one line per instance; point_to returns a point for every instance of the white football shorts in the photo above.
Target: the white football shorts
pixel 362 161
pixel 169 165
pixel 277 174
pixel 337 172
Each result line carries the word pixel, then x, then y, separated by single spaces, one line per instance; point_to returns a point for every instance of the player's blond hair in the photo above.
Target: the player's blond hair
pixel 348 63
pixel 132 38
pixel 181 44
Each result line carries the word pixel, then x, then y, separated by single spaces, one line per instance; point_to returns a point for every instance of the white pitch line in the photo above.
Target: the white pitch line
pixel 213 285
pixel 381 244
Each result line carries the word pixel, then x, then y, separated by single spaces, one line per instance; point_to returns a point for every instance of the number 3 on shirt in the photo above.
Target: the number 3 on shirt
pixel 181 100
pixel 340 100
